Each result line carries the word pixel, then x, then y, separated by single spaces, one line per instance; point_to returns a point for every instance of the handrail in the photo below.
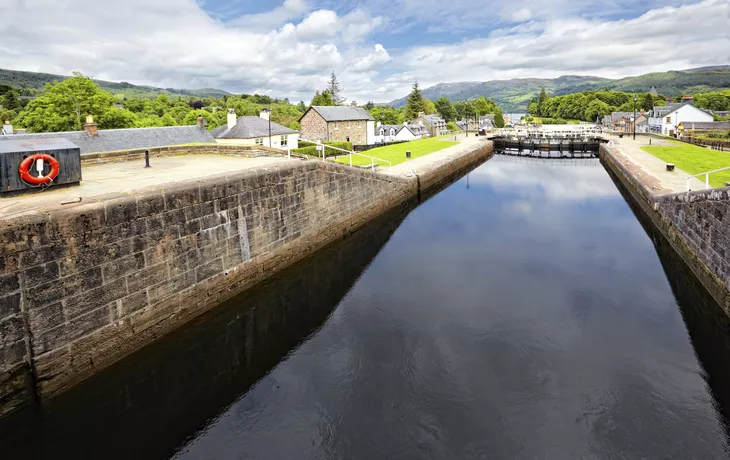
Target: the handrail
pixel 707 177
pixel 350 153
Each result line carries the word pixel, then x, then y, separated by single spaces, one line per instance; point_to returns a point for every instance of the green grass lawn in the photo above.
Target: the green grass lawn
pixel 396 153
pixel 694 160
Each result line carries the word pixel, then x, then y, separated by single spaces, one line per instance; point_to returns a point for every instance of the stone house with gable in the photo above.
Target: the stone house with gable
pixel 435 125
pixel 338 124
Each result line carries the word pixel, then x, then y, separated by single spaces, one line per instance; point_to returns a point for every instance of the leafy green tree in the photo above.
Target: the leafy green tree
pixel 647 102
pixel 10 100
pixel 369 105
pixel 387 115
pixel 64 105
pixel 116 118
pixel 541 100
pixel 445 109
pixel 302 106
pixel 323 98
pixel 453 127
pixel 498 120
pixel 428 107
pixel 532 108
pixel 415 104
pixel 484 106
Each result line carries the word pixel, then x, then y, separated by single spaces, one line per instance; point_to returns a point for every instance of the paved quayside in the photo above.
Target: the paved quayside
pixel 666 181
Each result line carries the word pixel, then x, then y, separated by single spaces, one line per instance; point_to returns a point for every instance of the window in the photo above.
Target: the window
pixel 669 119
pixel 284 141
pixel 336 127
pixel 348 125
pixel 359 124
pixel 259 141
pixel 359 139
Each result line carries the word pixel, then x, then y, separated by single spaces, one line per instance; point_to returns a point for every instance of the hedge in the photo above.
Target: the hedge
pixel 311 149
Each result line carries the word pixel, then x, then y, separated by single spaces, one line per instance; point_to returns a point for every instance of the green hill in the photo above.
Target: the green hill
pixel 514 95
pixel 34 82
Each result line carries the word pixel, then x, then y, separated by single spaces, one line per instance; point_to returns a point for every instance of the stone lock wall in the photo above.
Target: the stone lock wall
pixel 703 218
pixel 83 286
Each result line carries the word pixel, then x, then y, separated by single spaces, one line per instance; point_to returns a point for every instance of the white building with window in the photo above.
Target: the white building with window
pixel 395 133
pixel 666 119
pixel 256 131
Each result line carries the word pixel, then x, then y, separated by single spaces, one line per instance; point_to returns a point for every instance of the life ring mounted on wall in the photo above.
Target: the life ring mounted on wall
pixel 38 162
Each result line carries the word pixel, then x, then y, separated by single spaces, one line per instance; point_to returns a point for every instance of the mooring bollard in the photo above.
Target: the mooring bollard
pixel 408 153
pixel 146 158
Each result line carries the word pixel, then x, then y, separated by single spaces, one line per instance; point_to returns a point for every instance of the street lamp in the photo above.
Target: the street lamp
pixel 270 146
pixel 636 98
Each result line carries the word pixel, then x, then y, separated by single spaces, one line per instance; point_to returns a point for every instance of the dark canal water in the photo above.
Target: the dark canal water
pixel 523 312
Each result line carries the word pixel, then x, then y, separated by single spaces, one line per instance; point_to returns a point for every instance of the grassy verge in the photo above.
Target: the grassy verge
pixel 397 153
pixel 694 160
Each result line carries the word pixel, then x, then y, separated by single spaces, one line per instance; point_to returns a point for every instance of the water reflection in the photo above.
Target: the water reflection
pixel 480 332
pixel 147 405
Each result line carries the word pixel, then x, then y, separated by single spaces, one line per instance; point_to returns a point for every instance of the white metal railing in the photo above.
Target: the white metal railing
pixel 349 153
pixel 707 177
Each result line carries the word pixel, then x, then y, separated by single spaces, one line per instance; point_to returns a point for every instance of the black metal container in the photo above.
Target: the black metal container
pixel 14 151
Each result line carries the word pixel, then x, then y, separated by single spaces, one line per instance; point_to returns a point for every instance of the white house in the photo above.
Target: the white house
pixel 256 131
pixel 404 132
pixel 666 120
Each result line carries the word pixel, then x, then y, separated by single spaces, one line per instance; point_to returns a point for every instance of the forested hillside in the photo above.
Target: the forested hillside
pixel 32 84
pixel 514 95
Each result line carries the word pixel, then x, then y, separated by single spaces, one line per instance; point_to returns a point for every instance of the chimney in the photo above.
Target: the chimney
pixel 265 114
pixel 90 126
pixel 420 114
pixel 378 124
pixel 405 123
pixel 7 128
pixel 201 121
pixel 231 118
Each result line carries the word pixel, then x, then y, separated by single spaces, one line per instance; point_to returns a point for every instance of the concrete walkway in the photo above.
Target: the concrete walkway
pixel 131 176
pixel 432 159
pixel 671 181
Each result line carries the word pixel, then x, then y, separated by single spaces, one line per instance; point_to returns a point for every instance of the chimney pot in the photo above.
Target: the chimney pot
pixel 201 121
pixel 90 127
pixel 265 114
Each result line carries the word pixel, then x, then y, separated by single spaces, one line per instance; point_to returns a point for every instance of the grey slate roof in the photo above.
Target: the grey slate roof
pixel 387 129
pixel 110 140
pixel 342 113
pixel 249 128
pixel 434 119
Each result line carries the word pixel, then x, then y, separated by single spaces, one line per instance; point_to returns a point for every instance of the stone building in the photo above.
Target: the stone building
pixel 436 126
pixel 338 124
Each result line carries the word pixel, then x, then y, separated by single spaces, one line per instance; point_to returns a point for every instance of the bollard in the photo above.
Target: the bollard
pixel 408 153
pixel 146 158
pixel 650 141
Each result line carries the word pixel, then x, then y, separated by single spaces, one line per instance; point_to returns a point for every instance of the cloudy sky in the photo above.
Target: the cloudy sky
pixel 377 48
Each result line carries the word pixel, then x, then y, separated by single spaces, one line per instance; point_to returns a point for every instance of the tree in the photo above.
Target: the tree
pixel 335 91
pixel 323 98
pixel 415 104
pixel 647 102
pixel 369 105
pixel 541 100
pixel 115 118
pixel 387 115
pixel 64 105
pixel 498 120
pixel 428 107
pixel 445 109
pixel 302 106
pixel 453 127
pixel 10 100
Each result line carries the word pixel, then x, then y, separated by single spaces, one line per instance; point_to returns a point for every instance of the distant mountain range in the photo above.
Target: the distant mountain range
pixel 514 95
pixel 34 80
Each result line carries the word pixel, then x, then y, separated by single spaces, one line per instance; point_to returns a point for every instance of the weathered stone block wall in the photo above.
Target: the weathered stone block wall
pixel 313 126
pixel 200 149
pixel 703 218
pixel 676 216
pixel 355 131
pixel 83 286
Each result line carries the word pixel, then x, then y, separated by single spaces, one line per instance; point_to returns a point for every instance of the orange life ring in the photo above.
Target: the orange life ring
pixel 27 164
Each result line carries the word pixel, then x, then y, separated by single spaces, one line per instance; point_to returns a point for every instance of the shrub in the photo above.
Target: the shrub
pixel 311 149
